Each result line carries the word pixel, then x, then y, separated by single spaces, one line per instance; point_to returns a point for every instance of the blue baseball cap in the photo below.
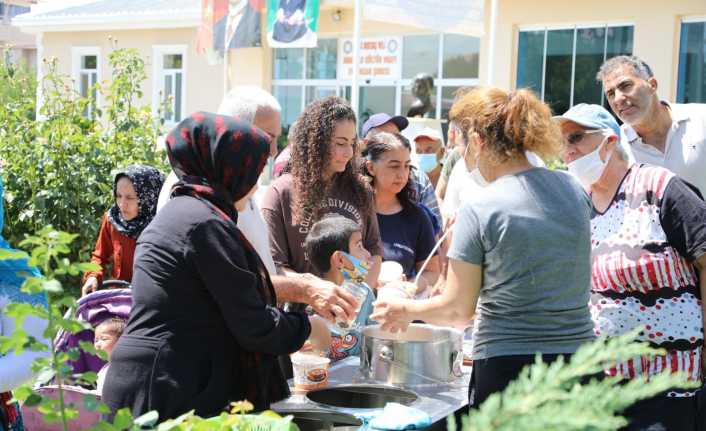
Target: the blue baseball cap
pixel 382 118
pixel 590 117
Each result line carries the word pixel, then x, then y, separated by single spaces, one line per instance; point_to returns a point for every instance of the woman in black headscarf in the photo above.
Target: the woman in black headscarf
pixel 204 330
pixel 135 189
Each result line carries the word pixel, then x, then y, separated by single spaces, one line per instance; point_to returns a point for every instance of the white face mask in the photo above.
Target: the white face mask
pixel 475 173
pixel 478 177
pixel 589 168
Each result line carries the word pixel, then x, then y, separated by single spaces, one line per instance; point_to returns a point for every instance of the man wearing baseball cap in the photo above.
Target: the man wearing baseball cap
pixel 591 135
pixel 429 149
pixel 646 221
pixel 383 122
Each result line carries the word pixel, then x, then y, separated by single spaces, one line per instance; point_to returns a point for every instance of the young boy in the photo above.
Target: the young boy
pixel 334 246
pixel 106 335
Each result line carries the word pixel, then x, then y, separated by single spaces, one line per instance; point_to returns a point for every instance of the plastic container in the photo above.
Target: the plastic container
pixel 359 292
pixel 390 271
pixel 393 292
pixel 310 371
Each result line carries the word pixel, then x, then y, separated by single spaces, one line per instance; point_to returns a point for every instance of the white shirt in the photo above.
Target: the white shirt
pixel 100 381
pixel 17 369
pixel 250 223
pixel 685 147
pixel 461 185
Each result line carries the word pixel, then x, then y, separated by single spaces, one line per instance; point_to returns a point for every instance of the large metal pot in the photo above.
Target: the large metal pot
pixel 423 355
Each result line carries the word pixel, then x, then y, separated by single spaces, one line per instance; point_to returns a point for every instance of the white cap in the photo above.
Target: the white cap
pixel 429 133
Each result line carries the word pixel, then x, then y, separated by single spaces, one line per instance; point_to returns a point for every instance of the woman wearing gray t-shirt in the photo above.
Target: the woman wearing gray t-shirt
pixel 521 245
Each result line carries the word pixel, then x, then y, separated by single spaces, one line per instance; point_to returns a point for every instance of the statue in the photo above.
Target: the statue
pixel 421 89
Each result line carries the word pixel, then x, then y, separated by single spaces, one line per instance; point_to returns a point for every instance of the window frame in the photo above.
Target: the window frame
pixel 158 53
pixel 576 27
pixel 691 19
pixel 77 54
pixel 400 84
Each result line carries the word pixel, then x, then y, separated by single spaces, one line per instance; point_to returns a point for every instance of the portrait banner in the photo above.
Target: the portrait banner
pixel 292 23
pixel 231 23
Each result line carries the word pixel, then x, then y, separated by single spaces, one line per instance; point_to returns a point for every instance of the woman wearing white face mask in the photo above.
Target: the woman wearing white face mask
pixel 520 250
pixel 648 260
pixel 464 182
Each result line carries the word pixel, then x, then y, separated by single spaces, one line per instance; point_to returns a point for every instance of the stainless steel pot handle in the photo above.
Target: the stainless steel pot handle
pixel 387 355
pixel 457 363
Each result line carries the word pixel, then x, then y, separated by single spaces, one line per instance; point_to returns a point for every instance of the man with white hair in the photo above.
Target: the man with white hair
pixel 665 134
pixel 260 108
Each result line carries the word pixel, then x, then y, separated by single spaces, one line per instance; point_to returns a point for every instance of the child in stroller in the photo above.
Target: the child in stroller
pixel 94 308
pixel 106 335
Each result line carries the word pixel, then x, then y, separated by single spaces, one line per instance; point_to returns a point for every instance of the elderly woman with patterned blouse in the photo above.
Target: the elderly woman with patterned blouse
pixel 648 241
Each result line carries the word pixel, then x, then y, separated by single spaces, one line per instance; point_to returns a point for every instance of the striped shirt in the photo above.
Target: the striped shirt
pixel 640 278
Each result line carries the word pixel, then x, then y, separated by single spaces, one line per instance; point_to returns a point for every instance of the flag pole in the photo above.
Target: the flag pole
pixel 356 53
pixel 226 57
pixel 491 41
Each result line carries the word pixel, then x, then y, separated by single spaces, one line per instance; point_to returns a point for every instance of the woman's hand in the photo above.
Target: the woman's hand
pixel 392 314
pixel 89 286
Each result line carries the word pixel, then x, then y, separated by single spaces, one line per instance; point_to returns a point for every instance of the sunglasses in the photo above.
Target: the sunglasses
pixel 577 137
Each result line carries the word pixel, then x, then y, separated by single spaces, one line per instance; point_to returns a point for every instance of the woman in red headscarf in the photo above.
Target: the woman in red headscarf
pixel 204 329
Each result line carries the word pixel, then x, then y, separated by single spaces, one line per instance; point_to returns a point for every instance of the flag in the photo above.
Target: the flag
pixel 204 35
pixel 447 16
pixel 241 24
pixel 234 23
pixel 292 23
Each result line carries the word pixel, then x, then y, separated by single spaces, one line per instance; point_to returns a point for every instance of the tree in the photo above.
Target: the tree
pixel 58 171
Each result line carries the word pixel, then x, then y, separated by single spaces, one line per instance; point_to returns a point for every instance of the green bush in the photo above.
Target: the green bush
pixel 57 171
pixel 557 397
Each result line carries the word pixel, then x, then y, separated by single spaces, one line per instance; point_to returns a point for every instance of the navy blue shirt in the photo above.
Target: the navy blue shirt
pixel 407 238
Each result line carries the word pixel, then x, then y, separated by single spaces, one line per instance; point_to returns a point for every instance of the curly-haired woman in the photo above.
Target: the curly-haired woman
pixel 324 179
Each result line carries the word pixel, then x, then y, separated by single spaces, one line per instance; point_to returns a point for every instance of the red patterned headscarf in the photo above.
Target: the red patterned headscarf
pixel 217 158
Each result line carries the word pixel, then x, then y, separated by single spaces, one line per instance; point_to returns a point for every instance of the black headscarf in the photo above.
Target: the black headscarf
pixel 218 159
pixel 147 182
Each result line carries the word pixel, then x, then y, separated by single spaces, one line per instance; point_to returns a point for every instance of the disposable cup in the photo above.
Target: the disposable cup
pixel 310 371
pixel 393 292
pixel 390 271
pixel 359 293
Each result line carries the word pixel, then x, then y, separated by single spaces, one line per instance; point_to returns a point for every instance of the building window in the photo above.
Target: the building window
pixel 301 76
pixel 86 74
pixel 691 87
pixel 560 64
pixel 169 98
pixel 417 51
pixel 321 62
